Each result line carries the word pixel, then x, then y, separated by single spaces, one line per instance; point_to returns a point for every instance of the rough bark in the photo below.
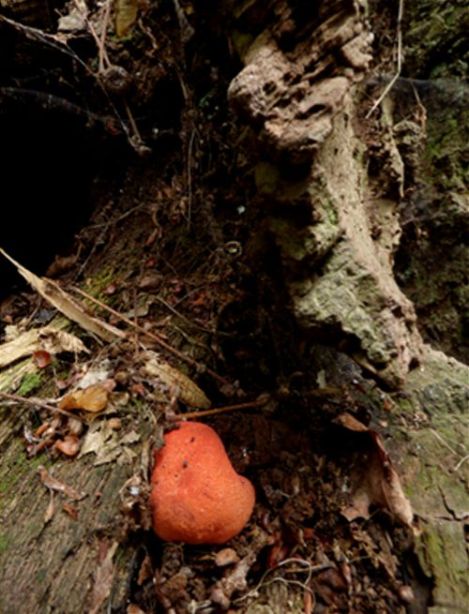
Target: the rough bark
pixel 338 226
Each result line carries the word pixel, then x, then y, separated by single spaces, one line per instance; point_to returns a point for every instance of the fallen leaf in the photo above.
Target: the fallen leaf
pixel 53 484
pixel 61 300
pixel 129 438
pixel 71 510
pixel 226 556
pixel 92 399
pixel 49 339
pixel 126 16
pixel 96 373
pixel 145 572
pixel 42 359
pixel 376 482
pixel 234 580
pixel 50 511
pixel 70 445
pixel 351 423
pixel 103 441
pixel 61 264
pixel 57 341
pixel 95 440
pixel 185 389
pixel 75 19
pixel 103 579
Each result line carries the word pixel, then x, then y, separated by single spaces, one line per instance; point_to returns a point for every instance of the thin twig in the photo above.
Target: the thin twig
pixel 461 462
pixel 102 41
pixel 445 443
pixel 220 410
pixel 103 62
pixel 35 402
pixel 390 85
pixel 154 337
pixel 185 318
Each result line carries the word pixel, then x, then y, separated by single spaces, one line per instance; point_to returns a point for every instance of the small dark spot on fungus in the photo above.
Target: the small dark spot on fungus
pixel 208 502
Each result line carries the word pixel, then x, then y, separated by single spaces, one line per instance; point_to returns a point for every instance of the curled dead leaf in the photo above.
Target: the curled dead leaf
pixel 53 484
pixel 185 389
pixel 42 359
pixel 70 445
pixel 126 16
pixel 92 399
pixel 103 579
pixel 50 511
pixel 376 482
pixel 71 510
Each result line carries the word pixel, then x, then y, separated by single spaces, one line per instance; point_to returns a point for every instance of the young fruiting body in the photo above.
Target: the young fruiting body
pixel 197 497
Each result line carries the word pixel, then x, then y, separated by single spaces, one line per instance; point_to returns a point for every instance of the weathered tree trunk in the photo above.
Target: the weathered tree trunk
pixel 331 184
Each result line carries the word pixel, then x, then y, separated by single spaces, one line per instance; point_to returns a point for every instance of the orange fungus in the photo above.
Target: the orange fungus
pixel 197 497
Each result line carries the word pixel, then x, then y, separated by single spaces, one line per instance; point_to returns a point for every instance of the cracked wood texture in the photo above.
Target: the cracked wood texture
pixel 50 565
pixel 333 183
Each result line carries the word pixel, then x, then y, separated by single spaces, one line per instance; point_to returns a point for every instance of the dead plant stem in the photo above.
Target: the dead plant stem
pixel 220 410
pixel 390 85
pixel 154 337
pixel 35 402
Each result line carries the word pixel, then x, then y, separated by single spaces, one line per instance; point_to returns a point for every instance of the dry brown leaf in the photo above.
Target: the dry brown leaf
pixel 50 511
pixel 98 439
pixel 351 423
pixel 146 571
pixel 376 482
pixel 69 445
pixel 57 341
pixel 53 484
pixel 42 359
pixel 234 580
pixel 103 579
pixel 126 16
pixel 71 510
pixel 226 556
pixel 103 441
pixel 184 388
pixel 49 338
pixel 62 301
pixel 92 399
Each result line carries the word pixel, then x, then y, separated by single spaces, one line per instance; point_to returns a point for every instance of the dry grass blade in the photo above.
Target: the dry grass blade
pixel 59 299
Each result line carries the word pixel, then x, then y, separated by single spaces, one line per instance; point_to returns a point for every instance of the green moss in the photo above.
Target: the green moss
pixel 13 472
pixel 3 543
pixel 434 38
pixel 29 383
pixel 100 281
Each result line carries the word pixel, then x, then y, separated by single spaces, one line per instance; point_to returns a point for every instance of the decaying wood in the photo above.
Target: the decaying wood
pixel 299 93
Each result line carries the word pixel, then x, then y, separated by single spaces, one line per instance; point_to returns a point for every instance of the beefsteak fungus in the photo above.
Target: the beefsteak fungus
pixel 197 497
